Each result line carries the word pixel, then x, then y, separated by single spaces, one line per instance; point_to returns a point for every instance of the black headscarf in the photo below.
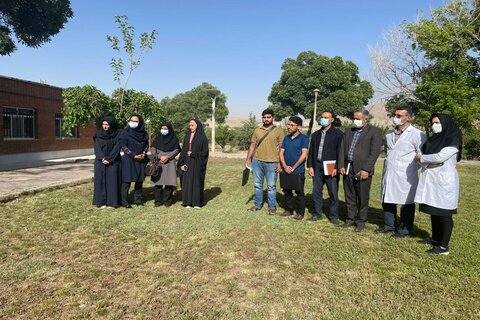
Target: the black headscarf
pixel 107 136
pixel 168 142
pixel 199 141
pixel 197 138
pixel 139 132
pixel 451 136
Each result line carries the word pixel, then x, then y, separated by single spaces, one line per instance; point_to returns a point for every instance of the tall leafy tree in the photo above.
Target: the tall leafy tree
pixel 341 89
pixel 450 83
pixel 195 103
pixel 33 22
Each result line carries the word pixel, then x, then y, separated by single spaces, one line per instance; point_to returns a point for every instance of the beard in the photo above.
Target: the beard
pixel 267 122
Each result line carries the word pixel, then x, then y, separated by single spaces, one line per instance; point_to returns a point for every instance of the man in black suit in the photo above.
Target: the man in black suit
pixel 360 150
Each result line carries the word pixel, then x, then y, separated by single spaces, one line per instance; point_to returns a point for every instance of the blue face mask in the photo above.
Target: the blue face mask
pixel 323 122
pixel 164 131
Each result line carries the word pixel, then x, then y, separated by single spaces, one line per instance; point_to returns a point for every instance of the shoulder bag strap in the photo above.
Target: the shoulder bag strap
pixel 260 141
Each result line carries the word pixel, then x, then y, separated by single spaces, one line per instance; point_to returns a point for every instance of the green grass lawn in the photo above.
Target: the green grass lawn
pixel 62 258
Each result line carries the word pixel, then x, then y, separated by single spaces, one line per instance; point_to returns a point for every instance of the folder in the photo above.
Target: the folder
pixel 245 175
pixel 328 167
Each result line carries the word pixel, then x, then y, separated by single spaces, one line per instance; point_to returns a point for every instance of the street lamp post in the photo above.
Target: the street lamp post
pixel 213 93
pixel 316 91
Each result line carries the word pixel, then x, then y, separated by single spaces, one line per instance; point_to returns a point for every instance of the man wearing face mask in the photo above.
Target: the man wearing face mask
pixel 400 173
pixel 324 146
pixel 360 150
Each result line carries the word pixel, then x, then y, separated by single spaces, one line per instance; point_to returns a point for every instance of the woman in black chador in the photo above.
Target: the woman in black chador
pixel 134 142
pixel 106 176
pixel 193 163
pixel 165 147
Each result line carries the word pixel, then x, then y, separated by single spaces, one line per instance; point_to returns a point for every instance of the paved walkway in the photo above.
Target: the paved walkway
pixel 58 173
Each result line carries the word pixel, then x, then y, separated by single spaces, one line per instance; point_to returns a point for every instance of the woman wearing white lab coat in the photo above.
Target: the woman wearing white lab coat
pixel 438 188
pixel 400 174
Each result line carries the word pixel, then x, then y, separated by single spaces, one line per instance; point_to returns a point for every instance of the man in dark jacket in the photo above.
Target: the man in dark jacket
pixel 325 146
pixel 360 150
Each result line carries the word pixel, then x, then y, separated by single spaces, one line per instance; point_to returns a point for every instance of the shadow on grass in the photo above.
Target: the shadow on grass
pixel 211 193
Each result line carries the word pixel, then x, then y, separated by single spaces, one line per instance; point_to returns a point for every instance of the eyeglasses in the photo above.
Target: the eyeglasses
pixel 399 115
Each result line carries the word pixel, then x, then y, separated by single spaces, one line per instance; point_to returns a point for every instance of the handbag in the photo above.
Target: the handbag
pixel 153 167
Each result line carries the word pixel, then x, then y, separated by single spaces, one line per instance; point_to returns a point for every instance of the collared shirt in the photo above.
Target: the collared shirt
pixel 269 148
pixel 320 148
pixel 355 139
pixel 293 150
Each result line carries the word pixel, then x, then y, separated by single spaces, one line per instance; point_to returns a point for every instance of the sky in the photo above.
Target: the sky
pixel 237 46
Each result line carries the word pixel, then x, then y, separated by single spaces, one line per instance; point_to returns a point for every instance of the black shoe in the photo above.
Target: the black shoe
pixel 168 204
pixel 399 235
pixel 384 230
pixel 359 228
pixel 335 222
pixel 438 250
pixel 139 204
pixel 347 225
pixel 158 205
pixel 127 206
pixel 315 217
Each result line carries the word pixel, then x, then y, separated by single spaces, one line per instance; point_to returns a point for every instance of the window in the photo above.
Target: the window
pixel 19 123
pixel 60 132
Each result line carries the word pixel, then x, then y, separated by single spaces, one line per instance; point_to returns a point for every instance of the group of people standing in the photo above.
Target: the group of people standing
pixel 352 154
pixel 114 173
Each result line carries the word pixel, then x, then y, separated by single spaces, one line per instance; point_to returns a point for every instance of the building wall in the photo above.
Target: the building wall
pixel 47 100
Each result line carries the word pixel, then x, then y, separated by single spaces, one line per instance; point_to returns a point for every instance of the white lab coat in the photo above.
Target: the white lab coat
pixel 438 187
pixel 400 170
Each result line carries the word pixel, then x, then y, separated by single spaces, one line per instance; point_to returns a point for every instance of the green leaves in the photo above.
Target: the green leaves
pixel 195 103
pixel 340 87
pixel 33 22
pixel 450 84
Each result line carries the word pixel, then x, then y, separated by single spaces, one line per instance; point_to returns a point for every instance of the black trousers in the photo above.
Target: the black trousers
pixel 289 206
pixel 442 229
pixel 332 187
pixel 137 195
pixel 163 195
pixel 407 215
pixel 357 196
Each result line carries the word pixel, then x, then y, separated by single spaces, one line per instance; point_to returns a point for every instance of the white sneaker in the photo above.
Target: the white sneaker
pixel 197 207
pixel 188 207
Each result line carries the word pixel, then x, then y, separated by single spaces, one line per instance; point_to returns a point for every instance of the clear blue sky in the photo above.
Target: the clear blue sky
pixel 238 46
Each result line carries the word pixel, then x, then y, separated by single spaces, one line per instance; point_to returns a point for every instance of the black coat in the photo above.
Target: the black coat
pixel 331 146
pixel 193 180
pixel 106 178
pixel 133 170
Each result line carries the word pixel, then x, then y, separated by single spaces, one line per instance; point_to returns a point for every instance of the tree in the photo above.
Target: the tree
pixel 82 104
pixel 341 89
pixel 396 64
pixel 195 103
pixel 225 135
pixel 130 56
pixel 244 136
pixel 33 22
pixel 451 82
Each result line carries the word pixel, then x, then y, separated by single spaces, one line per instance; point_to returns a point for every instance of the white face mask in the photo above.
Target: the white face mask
pixel 397 121
pixel 324 122
pixel 164 131
pixel 358 123
pixel 437 127
pixel 132 124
